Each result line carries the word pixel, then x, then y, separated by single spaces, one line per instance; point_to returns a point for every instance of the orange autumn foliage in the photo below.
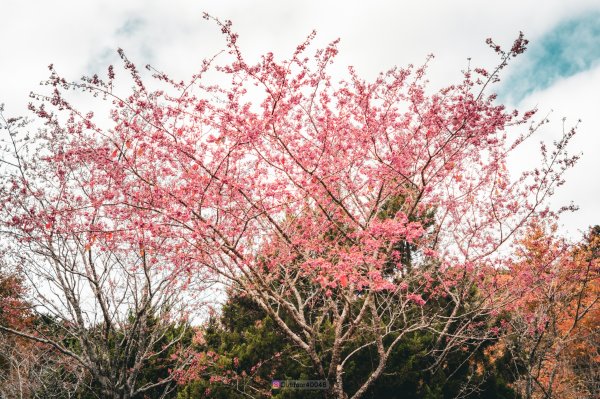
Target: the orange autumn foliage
pixel 553 328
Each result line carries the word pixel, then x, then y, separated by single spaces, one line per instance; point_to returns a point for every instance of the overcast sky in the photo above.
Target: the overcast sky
pixel 560 72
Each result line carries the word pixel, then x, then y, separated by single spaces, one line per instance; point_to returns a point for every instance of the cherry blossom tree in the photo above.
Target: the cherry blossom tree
pixel 101 295
pixel 352 212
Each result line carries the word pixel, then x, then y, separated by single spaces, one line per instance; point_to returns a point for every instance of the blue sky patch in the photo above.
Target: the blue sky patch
pixel 130 27
pixel 571 47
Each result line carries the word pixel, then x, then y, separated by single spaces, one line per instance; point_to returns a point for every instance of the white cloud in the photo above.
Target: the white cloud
pixel 576 98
